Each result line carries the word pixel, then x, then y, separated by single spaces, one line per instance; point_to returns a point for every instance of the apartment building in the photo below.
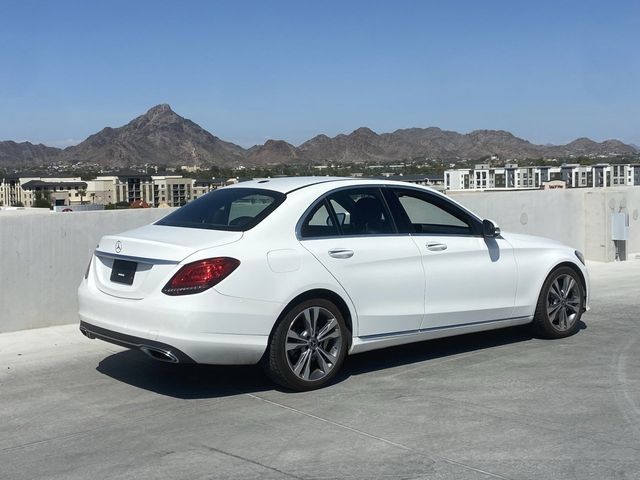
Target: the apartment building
pixel 16 190
pixel 129 187
pixel 124 186
pixel 514 177
pixel 202 186
pixel 154 190
pixel 171 191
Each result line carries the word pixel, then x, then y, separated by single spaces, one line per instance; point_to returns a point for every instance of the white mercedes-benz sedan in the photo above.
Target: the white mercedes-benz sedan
pixel 296 273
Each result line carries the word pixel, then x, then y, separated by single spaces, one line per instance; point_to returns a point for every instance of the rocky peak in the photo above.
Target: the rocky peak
pixel 363 132
pixel 163 108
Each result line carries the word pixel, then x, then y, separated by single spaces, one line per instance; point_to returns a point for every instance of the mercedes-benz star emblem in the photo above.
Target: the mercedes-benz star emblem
pixel 118 246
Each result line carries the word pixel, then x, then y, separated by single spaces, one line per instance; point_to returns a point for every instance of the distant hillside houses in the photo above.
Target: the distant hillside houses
pixel 512 177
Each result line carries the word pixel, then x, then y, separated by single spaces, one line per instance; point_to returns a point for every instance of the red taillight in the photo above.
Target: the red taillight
pixel 198 276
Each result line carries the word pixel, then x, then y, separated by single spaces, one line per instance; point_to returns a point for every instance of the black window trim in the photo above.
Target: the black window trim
pixel 279 199
pixel 307 215
pixel 385 190
pixel 325 198
pixel 441 202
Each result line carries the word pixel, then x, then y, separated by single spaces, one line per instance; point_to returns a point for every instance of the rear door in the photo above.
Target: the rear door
pixel 352 234
pixel 469 278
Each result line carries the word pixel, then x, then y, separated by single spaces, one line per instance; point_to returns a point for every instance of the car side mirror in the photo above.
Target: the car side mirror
pixel 490 229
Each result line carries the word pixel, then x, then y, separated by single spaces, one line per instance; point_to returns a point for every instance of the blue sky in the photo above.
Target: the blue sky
pixel 549 71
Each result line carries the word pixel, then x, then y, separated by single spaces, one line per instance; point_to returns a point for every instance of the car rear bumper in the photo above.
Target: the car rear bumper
pixel 210 329
pixel 156 350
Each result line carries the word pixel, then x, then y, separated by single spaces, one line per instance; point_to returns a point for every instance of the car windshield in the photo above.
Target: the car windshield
pixel 233 209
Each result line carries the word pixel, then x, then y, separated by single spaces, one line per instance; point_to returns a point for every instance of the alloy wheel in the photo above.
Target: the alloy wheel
pixel 313 344
pixel 564 301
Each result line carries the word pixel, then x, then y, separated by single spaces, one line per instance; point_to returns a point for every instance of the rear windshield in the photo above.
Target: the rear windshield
pixel 234 209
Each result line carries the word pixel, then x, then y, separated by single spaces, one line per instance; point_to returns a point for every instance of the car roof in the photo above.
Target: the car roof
pixel 285 184
pixel 289 184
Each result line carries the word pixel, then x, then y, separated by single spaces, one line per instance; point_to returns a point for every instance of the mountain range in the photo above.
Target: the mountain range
pixel 162 137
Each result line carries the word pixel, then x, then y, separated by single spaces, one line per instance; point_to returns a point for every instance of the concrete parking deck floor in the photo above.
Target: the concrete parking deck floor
pixel 491 405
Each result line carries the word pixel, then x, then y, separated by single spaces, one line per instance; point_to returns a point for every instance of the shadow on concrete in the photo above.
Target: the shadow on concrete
pixel 210 381
pixel 183 381
pixel 434 349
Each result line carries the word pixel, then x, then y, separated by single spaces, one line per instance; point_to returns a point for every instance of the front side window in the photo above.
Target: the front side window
pixel 420 212
pixel 233 209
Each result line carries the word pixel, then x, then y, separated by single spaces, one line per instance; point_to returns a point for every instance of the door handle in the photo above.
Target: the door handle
pixel 436 246
pixel 340 253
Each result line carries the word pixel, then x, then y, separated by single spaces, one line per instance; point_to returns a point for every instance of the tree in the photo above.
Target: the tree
pixel 42 200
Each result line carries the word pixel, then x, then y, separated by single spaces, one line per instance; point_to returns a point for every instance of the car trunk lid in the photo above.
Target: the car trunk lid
pixel 135 263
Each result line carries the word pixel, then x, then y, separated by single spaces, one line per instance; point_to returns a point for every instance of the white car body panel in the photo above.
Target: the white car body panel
pixel 366 344
pixel 189 325
pixel 483 287
pixel 397 280
pixel 167 243
pixel 393 289
pixel 536 257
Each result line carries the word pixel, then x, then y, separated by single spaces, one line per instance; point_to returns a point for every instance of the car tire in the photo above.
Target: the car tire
pixel 560 305
pixel 308 346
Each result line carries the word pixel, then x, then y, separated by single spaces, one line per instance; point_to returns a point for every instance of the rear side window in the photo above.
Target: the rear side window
pixel 319 223
pixel 351 211
pixel 361 211
pixel 233 209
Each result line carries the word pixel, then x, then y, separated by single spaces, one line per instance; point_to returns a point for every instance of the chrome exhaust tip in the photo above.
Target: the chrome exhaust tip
pixel 86 333
pixel 159 354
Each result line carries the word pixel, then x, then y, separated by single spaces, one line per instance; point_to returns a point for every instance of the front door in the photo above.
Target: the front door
pixel 469 278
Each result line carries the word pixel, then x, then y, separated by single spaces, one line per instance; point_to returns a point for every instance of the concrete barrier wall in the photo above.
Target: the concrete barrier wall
pixel 580 218
pixel 43 256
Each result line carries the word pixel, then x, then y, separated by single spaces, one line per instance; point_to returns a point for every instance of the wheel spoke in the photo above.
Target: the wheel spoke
pixel 295 340
pixel 307 322
pixel 331 358
pixel 555 290
pixel 302 365
pixel 311 316
pixel 329 330
pixel 573 307
pixel 324 366
pixel 569 283
pixel 306 373
pixel 294 346
pixel 334 334
pixel 295 336
pixel 562 323
pixel 315 314
pixel 574 300
pixel 552 311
